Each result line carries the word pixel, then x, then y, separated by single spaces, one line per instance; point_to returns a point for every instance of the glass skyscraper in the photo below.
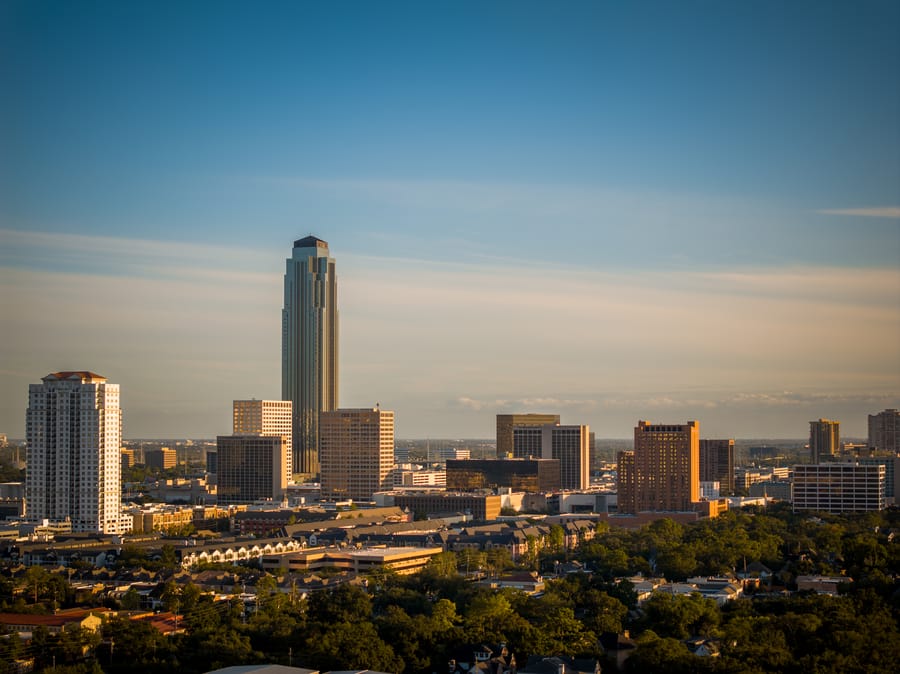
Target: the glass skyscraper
pixel 309 346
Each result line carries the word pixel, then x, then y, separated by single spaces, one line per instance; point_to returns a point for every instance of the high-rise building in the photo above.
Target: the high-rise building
pixel 839 487
pixel 717 464
pixel 73 428
pixel 251 468
pixel 884 431
pixel 528 475
pixel 356 452
pixel 265 417
pixel 824 440
pixel 163 458
pixel 662 473
pixel 570 445
pixel 309 346
pixel 508 445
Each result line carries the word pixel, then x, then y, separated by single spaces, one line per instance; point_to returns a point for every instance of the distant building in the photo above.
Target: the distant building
pixel 570 445
pixel 73 428
pixel 528 475
pixel 839 487
pixel 454 453
pixel 891 473
pixel 264 417
pixel 884 431
pixel 482 507
pixel 163 458
pixel 127 456
pixel 212 462
pixel 824 440
pixel 356 452
pixel 717 464
pixel 251 468
pixel 506 425
pixel 309 346
pixel 662 473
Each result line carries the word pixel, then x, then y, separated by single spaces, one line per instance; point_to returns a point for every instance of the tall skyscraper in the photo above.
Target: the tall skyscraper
pixel 884 431
pixel 73 428
pixel 251 468
pixel 309 346
pixel 356 452
pixel 265 417
pixel 508 445
pixel 824 440
pixel 662 473
pixel 717 464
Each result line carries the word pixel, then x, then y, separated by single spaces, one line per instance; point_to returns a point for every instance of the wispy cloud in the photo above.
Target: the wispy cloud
pixel 873 212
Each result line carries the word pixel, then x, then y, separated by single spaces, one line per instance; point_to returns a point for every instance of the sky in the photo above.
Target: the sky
pixel 610 211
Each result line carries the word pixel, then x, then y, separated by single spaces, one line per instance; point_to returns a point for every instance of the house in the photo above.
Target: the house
pixel 89 619
pixel 529 582
pixel 482 659
pixel 539 664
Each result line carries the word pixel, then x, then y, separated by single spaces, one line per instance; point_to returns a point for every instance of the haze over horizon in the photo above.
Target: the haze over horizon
pixel 669 211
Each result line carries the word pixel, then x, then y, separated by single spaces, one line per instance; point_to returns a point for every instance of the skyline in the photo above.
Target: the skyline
pixel 666 212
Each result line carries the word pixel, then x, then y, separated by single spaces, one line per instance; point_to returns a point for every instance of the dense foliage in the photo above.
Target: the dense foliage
pixel 416 623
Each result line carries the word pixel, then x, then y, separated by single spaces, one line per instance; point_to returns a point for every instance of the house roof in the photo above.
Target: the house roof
pixel 262 669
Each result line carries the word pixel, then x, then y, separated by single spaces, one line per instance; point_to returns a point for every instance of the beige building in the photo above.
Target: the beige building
pixel 252 468
pixel 265 417
pixel 506 425
pixel 570 445
pixel 662 473
pixel 824 440
pixel 356 452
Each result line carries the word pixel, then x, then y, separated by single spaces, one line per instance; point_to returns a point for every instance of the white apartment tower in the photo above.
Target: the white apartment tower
pixel 73 428
pixel 267 418
pixel 309 346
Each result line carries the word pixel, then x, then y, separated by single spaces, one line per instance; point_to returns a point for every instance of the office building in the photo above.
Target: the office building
pixel 570 445
pixel 163 458
pixel 662 472
pixel 717 464
pixel 480 507
pixel 265 417
pixel 839 487
pixel 251 468
pixel 73 428
pixel 528 475
pixel 356 452
pixel 884 431
pixel 506 434
pixel 309 346
pixel 824 440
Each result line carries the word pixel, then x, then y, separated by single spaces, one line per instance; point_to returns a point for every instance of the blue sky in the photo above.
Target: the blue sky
pixel 616 210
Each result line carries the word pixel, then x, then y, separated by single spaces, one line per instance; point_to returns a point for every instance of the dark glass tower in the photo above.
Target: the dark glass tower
pixel 309 346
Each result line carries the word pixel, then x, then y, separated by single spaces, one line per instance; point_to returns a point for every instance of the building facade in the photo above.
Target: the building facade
pixel 73 428
pixel 251 468
pixel 824 440
pixel 163 458
pixel 356 452
pixel 506 436
pixel 884 431
pixel 528 475
pixel 309 346
pixel 570 445
pixel 662 473
pixel 839 487
pixel 265 417
pixel 717 464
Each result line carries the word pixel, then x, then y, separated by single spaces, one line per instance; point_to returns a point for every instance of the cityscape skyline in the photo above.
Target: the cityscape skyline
pixel 601 212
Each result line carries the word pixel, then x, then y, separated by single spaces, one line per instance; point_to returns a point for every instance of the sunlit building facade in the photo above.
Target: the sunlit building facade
pixel 356 452
pixel 839 487
pixel 519 435
pixel 265 417
pixel 824 440
pixel 73 428
pixel 662 473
